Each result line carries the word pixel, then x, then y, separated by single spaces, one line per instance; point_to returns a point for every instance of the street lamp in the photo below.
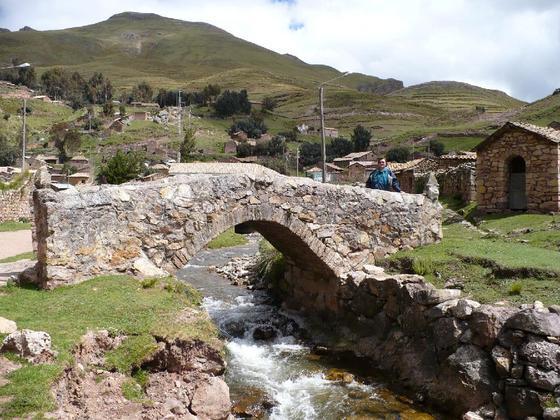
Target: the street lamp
pixel 21 66
pixel 323 146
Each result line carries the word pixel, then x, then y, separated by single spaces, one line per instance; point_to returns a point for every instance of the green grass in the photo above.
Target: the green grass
pixel 489 267
pixel 24 256
pixel 14 226
pixel 116 303
pixel 131 353
pixel 227 239
pixel 459 143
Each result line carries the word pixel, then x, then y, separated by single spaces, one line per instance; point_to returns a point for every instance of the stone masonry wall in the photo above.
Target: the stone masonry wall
pixel 451 352
pixel 542 173
pixel 16 204
pixel 159 225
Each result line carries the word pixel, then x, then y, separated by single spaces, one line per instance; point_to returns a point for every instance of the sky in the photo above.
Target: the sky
pixel 511 45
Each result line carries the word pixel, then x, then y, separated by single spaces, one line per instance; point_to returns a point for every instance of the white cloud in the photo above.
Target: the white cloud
pixel 513 45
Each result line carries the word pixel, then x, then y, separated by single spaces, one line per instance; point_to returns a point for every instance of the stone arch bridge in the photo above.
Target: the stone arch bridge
pixel 157 226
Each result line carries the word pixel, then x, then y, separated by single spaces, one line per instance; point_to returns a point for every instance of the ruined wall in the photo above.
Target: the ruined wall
pixel 500 362
pixel 16 204
pixel 162 224
pixel 542 174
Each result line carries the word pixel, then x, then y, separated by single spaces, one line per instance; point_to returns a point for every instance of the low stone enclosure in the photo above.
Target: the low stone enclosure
pixel 501 362
pixel 15 204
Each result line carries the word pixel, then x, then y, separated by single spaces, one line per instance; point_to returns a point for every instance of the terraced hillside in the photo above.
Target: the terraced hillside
pixel 131 47
pixel 458 96
pixel 541 112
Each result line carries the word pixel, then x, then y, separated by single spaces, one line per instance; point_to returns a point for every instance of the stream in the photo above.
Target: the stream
pixel 272 371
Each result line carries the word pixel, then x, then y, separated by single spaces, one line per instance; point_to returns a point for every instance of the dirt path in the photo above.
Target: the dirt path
pixel 15 243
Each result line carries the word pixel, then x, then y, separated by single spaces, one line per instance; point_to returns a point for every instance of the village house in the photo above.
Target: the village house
pixel 344 161
pixel 517 168
pixel 140 116
pixel 332 173
pixel 359 170
pixel 331 132
pixel 79 178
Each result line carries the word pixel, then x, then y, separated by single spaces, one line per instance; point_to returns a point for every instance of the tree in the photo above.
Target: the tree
pixel 8 152
pixel 188 144
pixel 339 147
pixel 122 110
pixel 290 135
pixel 398 154
pixel 437 147
pixel 360 138
pixel 253 126
pixel 65 139
pixel 142 92
pixel 19 75
pixel 268 103
pixel 108 109
pixel 232 102
pixel 98 89
pixel 309 153
pixel 211 92
pixel 122 167
pixel 56 83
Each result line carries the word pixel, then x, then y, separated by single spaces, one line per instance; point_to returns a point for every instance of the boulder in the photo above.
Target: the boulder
pixel 551 413
pixel 535 322
pixel 35 346
pixel 7 326
pixel 537 350
pixel 470 415
pixel 211 399
pixel 264 332
pixel 464 308
pixel 502 360
pixel 522 403
pixel 486 322
pixel 547 380
pixel 467 379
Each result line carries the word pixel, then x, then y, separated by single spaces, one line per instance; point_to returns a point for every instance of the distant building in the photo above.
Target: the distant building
pixel 517 168
pixel 331 132
pixel 344 161
pixel 79 178
pixel 332 173
pixel 140 116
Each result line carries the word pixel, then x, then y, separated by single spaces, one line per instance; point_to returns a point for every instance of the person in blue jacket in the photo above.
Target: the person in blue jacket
pixel 383 178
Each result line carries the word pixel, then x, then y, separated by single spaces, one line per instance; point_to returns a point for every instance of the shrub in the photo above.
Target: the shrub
pixel 149 283
pixel 515 288
pixel 398 154
pixel 270 264
pixel 122 167
pixel 422 266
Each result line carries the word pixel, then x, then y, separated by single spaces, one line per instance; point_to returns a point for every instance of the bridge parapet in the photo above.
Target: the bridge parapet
pixel 158 226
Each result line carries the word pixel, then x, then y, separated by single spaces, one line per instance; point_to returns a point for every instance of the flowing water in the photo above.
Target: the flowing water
pixel 278 376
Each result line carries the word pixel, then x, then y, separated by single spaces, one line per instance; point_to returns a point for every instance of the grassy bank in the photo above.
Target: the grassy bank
pixel 117 303
pixel 512 258
pixel 227 239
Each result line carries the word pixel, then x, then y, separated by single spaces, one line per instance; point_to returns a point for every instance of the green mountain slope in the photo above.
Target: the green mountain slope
pixel 130 47
pixel 541 112
pixel 458 96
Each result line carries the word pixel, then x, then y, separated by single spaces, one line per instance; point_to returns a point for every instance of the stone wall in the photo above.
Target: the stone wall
pixel 160 225
pixel 453 353
pixel 457 181
pixel 542 173
pixel 16 204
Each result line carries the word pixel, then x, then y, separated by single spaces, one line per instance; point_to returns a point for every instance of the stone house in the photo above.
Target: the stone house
pixel 79 178
pixel 359 170
pixel 517 168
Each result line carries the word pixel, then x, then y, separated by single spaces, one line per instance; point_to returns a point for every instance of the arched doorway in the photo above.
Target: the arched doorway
pixel 517 195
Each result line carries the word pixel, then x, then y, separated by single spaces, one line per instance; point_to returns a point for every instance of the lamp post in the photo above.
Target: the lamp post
pixel 21 66
pixel 323 145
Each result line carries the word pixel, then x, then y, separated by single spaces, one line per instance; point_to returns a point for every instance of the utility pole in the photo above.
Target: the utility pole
pixel 323 146
pixel 297 161
pixel 180 116
pixel 23 136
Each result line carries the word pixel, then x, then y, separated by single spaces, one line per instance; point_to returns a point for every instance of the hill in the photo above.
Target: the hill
pixel 541 112
pixel 130 47
pixel 458 96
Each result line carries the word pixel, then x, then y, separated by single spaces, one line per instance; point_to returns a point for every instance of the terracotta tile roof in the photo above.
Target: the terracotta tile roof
pixel 396 166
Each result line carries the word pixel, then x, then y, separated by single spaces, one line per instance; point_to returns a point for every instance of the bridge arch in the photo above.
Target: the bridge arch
pixel 330 229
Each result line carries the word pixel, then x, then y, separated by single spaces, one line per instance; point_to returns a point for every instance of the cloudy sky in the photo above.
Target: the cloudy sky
pixel 511 45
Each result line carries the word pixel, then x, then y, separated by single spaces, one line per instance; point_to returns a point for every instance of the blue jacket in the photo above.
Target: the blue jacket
pixel 383 180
